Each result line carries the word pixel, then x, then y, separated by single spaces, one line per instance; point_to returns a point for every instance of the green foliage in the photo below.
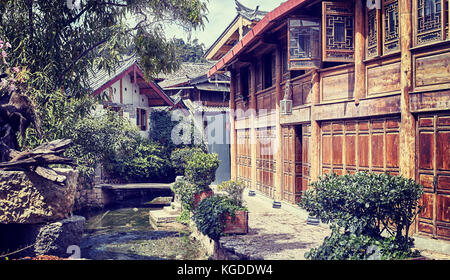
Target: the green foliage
pixel 210 215
pixel 363 205
pixel 186 191
pixel 111 141
pixel 234 189
pixel 190 51
pixel 179 158
pixel 58 46
pixel 161 129
pixel 201 169
pixel 141 161
pixel 349 246
pixel 97 139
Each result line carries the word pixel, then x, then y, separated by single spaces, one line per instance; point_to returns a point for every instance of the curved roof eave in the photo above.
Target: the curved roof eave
pixel 262 26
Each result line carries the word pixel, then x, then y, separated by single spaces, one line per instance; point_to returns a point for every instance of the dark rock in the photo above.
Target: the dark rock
pixel 56 238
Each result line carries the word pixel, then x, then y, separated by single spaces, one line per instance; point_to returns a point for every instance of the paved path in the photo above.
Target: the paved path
pixel 276 234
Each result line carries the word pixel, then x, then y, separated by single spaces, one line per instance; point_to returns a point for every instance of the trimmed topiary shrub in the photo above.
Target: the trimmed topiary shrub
pixel 201 169
pixel 179 158
pixel 360 208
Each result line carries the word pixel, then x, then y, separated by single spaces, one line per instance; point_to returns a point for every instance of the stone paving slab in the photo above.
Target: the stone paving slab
pixel 275 234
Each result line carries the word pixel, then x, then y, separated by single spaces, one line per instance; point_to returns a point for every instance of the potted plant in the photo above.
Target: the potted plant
pixel 201 171
pixel 238 222
pixel 213 213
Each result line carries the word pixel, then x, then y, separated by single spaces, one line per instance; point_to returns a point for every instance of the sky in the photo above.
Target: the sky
pixel 221 13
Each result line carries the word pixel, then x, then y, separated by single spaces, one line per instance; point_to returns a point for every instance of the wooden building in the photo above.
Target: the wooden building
pixel 206 100
pixel 126 91
pixel 344 86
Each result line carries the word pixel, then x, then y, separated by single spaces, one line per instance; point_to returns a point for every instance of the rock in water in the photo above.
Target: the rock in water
pixel 56 238
pixel 27 198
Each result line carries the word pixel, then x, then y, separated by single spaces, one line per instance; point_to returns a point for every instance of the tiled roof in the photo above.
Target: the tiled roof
pixel 99 78
pixel 186 72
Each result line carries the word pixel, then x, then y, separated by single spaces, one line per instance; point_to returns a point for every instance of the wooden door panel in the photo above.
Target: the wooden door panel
pixel 443 150
pixel 433 172
pixel 392 147
pixel 426 147
pixel 443 208
pixel 361 145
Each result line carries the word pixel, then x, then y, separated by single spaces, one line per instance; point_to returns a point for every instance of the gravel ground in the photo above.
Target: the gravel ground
pixel 275 234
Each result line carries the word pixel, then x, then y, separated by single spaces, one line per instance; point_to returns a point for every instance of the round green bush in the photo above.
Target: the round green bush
pixel 201 169
pixel 361 207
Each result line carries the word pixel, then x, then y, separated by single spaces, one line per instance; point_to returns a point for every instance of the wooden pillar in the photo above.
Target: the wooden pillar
pixel 253 124
pixel 408 126
pixel 315 128
pixel 278 151
pixel 359 51
pixel 233 136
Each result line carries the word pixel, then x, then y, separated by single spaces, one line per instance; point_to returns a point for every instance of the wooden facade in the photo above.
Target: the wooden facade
pixel 370 90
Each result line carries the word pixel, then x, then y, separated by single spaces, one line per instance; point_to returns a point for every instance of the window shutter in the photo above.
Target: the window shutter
pixel 304 43
pixel 429 18
pixel 373 33
pixel 391 30
pixel 338 31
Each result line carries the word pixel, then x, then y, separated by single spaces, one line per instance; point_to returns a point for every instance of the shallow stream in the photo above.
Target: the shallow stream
pixel 126 234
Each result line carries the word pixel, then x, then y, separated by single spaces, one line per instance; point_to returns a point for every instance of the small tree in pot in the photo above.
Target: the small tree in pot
pixel 201 171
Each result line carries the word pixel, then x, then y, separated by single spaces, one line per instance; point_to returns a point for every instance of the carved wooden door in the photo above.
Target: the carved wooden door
pixel 293 158
pixel 433 172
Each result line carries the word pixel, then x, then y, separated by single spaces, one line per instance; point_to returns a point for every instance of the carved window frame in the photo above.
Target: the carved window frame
pixel 391 34
pixel 310 29
pixel 430 29
pixel 334 14
pixel 382 38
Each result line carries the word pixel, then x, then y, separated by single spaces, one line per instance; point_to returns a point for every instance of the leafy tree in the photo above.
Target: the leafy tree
pixel 60 44
pixel 190 51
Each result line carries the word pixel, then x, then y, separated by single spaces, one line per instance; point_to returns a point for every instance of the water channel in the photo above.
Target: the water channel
pixel 124 232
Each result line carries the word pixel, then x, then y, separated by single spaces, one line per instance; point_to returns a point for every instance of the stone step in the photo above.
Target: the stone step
pixel 172 210
pixel 161 216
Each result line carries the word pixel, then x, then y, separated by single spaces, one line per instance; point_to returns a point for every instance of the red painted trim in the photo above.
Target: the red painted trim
pixel 111 82
pixel 263 25
pixel 155 87
pixel 135 68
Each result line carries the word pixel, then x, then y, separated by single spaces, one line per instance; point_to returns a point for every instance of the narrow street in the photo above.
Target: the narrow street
pixel 275 234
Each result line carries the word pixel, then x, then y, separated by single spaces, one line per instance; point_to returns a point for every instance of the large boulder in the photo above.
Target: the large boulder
pixel 27 198
pixel 60 238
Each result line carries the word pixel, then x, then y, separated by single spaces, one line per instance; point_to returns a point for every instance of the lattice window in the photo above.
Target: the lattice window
pixel 373 33
pixel 304 43
pixel 338 31
pixel 391 30
pixel 429 16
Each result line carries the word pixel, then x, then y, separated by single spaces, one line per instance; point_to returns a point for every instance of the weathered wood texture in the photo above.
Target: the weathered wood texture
pixel 337 84
pixel 433 172
pixel 360 145
pixel 244 162
pixel 265 160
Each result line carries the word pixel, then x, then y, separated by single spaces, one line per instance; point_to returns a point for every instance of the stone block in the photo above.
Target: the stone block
pixel 26 198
